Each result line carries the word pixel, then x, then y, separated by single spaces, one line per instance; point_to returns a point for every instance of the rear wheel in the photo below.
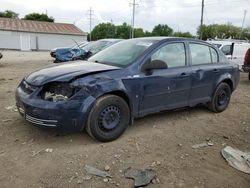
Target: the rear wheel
pixel 108 118
pixel 220 98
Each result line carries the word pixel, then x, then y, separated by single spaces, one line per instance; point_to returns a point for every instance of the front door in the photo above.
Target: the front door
pixel 169 88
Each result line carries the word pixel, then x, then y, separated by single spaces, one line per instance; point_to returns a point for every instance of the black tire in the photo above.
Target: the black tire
pixel 249 76
pixel 220 98
pixel 56 61
pixel 108 118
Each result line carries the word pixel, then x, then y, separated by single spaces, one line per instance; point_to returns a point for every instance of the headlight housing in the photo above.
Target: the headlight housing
pixel 58 91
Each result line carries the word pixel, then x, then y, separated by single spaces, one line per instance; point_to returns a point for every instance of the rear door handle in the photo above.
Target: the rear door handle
pixel 216 70
pixel 183 75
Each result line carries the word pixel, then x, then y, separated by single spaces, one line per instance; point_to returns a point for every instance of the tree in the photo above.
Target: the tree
pixel 246 33
pixel 139 32
pixel 38 17
pixel 162 30
pixel 224 31
pixel 123 31
pixel 103 30
pixel 9 14
pixel 183 34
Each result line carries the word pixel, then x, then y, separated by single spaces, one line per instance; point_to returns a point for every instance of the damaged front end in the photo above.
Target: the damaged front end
pixel 58 91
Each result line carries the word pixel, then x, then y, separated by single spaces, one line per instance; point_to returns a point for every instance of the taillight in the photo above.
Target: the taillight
pixel 247 57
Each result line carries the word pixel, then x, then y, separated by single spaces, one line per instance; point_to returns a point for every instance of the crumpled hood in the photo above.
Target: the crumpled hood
pixel 66 72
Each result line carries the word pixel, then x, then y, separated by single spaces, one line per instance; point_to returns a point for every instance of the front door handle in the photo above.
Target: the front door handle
pixel 216 70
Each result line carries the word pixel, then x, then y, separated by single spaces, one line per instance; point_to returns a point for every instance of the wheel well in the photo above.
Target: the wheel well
pixel 120 94
pixel 230 83
pixel 124 96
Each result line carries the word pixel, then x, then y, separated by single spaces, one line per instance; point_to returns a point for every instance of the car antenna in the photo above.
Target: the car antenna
pixel 76 43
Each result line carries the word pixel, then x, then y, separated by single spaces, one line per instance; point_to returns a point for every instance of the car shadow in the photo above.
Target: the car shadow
pixel 47 136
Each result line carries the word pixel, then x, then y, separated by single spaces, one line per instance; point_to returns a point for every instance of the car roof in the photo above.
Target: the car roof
pixel 111 40
pixel 159 38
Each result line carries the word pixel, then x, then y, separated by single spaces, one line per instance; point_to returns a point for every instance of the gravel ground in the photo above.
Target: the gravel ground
pixel 163 139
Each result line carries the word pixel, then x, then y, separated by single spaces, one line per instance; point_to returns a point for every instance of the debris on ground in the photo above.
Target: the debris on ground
pixel 86 178
pixel 94 171
pixel 71 179
pixel 107 168
pixel 155 163
pixel 105 180
pixel 237 159
pixel 202 145
pixel 226 137
pixel 49 150
pixel 6 120
pixel 156 180
pixel 11 108
pixel 141 177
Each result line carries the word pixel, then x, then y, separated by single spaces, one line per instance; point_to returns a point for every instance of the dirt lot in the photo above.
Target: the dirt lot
pixel 166 137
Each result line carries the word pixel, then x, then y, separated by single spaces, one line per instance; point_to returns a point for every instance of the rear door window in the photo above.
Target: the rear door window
pixel 200 54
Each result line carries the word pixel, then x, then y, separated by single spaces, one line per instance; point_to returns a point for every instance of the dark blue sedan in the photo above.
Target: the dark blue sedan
pixel 128 80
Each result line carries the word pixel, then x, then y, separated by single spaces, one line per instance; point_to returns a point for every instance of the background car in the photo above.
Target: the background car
pixel 83 52
pixel 246 66
pixel 234 50
pixel 71 52
pixel 128 80
pixel 65 49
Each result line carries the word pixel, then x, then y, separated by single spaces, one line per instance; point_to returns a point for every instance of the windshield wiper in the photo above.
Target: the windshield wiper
pixel 96 61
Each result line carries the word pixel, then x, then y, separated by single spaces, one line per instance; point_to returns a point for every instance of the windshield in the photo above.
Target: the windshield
pixel 123 53
pixel 97 46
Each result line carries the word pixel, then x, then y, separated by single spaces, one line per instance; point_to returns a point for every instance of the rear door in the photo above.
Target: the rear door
pixel 206 69
pixel 167 88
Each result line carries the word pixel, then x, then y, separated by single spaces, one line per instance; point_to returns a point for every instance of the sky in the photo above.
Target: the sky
pixel 181 15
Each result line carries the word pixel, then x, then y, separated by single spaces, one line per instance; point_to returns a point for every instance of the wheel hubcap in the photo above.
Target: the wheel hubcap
pixel 109 118
pixel 222 98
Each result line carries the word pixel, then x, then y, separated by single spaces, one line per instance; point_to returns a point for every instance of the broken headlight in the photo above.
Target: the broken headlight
pixel 58 91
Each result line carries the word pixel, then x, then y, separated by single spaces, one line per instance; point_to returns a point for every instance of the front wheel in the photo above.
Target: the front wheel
pixel 108 118
pixel 220 98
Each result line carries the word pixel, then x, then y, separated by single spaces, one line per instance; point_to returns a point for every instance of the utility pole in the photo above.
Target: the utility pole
pixel 202 12
pixel 90 12
pixel 133 20
pixel 243 21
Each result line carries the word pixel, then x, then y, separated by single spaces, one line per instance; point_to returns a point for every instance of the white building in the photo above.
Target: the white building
pixel 37 35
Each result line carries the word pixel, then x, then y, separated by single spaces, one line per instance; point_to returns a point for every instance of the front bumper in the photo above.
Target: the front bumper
pixel 69 116
pixel 246 68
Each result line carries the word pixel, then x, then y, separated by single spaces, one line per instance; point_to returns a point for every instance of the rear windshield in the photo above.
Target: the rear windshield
pixel 217 45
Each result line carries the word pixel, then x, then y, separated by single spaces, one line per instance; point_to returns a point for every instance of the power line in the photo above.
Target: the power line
pixel 243 21
pixel 133 19
pixel 202 13
pixel 90 13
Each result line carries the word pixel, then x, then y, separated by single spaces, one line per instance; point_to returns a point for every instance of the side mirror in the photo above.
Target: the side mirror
pixel 155 64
